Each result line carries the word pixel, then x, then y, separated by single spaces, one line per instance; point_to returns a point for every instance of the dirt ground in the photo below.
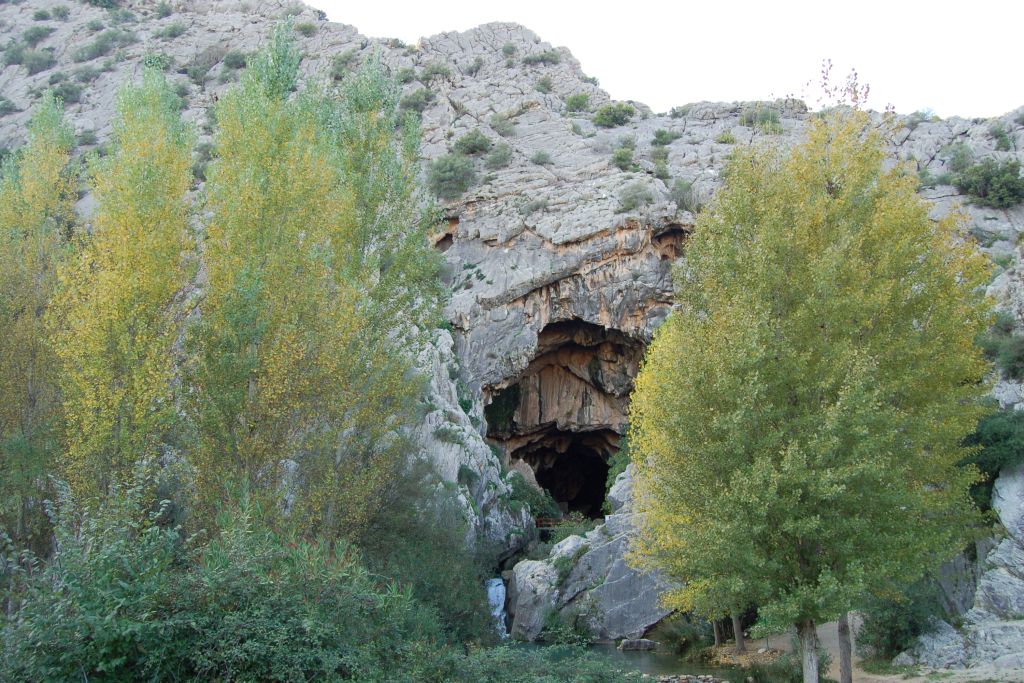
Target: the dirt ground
pixel 828 635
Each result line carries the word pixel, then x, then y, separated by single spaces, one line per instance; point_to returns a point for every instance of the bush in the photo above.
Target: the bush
pixel 622 158
pixel 86 137
pixel 416 101
pixel 68 92
pixel 7 107
pixel 993 183
pixel 574 524
pixel 680 112
pixel 546 57
pixel 172 30
pixel 404 75
pixel 342 62
pixel 893 624
pixel 617 464
pixel 163 9
pixel 502 125
pixel 61 12
pixel 451 175
pixel 475 66
pixel 38 60
pixel 664 137
pixel 94 25
pixel 613 115
pixel 554 664
pixel 14 53
pixel 577 102
pixel 726 138
pixel 235 59
pixel 36 34
pixel 435 70
pixel 634 196
pixel 161 61
pixel 41 15
pixel 103 45
pixel 473 142
pixel 533 206
pixel 508 49
pixel 959 157
pixel 683 195
pixel 762 116
pixel 1001 440
pixel 499 157
pixel 540 502
pixel 541 158
pixel 1001 137
pixel 306 29
pixel 683 634
pixel 544 85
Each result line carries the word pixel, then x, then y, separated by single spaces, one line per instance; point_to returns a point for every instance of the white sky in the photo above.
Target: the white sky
pixel 958 58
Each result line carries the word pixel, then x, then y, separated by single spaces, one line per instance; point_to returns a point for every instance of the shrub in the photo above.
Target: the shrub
pixel 577 102
pixel 41 15
pixel 683 195
pixel 94 25
pixel 893 624
pixel 762 116
pixel 473 142
pixel 634 196
pixel 172 30
pixel 61 12
pixel 435 70
pixel 86 74
pixel 544 85
pixel 502 125
pixel 959 157
pixel 541 158
pixel 14 53
pixel 163 9
pixel 36 34
pixel 416 101
pixel 342 62
pixel 1001 137
pixel 86 137
pixel 539 501
pixel 7 107
pixel 235 59
pixel 508 49
pixel 160 61
pixel 122 16
pixel 103 45
pixel 37 60
pixel 554 664
pixel 617 464
pixel 306 29
pixel 574 524
pixel 726 138
pixel 664 137
pixel 659 155
pixel 613 115
pixel 622 158
pixel 404 75
pixel 1000 436
pixel 68 92
pixel 993 183
pixel 451 175
pixel 545 57
pixel 534 206
pixel 683 633
pixel 499 157
pixel 475 66
pixel 680 112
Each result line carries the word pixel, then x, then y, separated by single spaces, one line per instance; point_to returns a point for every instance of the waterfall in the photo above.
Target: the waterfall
pixel 496 598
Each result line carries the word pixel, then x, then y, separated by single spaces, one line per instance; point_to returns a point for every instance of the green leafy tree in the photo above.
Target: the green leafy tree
pixel 112 315
pixel 36 206
pixel 799 418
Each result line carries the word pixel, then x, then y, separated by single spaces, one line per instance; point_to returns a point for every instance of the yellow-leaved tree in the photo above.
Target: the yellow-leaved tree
pixel 37 192
pixel 112 316
pixel 799 417
pixel 314 259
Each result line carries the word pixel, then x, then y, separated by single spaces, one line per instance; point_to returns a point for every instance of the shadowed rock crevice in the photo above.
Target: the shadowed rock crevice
pixel 565 413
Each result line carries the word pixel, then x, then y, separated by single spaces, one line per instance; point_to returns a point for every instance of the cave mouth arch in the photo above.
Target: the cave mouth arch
pixel 564 415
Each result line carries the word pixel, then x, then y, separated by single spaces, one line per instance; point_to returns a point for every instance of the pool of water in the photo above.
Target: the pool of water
pixel 655 663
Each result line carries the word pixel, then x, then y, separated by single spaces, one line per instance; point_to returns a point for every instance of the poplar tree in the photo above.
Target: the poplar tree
pixel 800 415
pixel 37 191
pixel 318 278
pixel 113 314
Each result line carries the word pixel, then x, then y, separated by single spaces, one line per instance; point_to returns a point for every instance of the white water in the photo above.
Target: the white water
pixel 496 598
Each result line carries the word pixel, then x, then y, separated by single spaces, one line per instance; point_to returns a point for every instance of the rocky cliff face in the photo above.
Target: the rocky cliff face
pixel 559 255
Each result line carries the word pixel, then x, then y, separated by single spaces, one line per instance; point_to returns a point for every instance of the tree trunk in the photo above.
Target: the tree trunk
pixel 737 630
pixel 808 650
pixel 718 631
pixel 845 650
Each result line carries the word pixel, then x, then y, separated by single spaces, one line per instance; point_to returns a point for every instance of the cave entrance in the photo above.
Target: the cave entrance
pixel 564 415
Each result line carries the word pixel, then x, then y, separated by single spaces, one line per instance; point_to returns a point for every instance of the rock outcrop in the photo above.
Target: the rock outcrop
pixel 558 258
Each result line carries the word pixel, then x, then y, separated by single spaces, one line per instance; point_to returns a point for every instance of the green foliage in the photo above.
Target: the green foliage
pixel 36 61
pixel 36 34
pixel 68 92
pixel 546 57
pixel 417 100
pixel 161 61
pixel 795 421
pixel 558 664
pixel 435 70
pixel 235 59
pixel 1002 345
pixel 622 159
pixel 1000 438
pixel 171 31
pixel 577 102
pixel 635 196
pixel 473 142
pixel 41 15
pixel 993 183
pixel 763 116
pixel 893 623
pixel 726 138
pixel 613 115
pixel 541 158
pixel 14 53
pixel 508 49
pixel 665 137
pixel 343 62
pixel 573 524
pixel 163 9
pixel 1002 138
pixel 104 44
pixel 475 66
pixel 451 175
pixel 499 157
pixel 617 464
pixel 502 125
pixel 61 12
pixel 539 501
pixel 544 85
pixel 533 206
pixel 404 75
pixel 683 195
pixel 959 157
pixel 683 634
pixel 7 107
pixel 306 29
pixel 680 112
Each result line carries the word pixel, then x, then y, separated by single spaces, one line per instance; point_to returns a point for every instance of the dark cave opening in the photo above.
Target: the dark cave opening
pixel 563 416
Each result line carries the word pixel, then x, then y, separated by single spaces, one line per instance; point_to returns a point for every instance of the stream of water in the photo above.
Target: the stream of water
pixel 496 599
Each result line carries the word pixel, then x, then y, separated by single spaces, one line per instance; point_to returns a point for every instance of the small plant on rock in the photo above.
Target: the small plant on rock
pixel 635 196
pixel 613 115
pixel 577 102
pixel 473 142
pixel 451 175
